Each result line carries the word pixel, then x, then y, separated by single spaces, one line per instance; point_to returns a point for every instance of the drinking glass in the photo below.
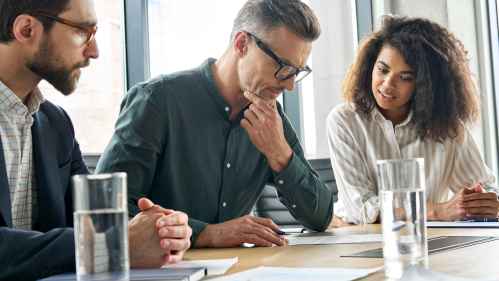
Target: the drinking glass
pixel 403 214
pixel 101 226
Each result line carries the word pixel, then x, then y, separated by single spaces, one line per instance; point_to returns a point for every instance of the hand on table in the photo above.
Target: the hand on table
pixel 247 229
pixel 264 126
pixel 338 222
pixel 470 203
pixel 147 247
pixel 479 204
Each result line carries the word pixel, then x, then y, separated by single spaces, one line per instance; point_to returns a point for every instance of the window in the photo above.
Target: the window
pixel 182 34
pixel 94 106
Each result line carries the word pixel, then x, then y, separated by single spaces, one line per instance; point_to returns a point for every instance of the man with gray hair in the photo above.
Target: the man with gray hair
pixel 206 141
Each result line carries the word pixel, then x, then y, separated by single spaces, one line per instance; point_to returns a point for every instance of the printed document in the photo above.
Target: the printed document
pixel 215 267
pixel 298 274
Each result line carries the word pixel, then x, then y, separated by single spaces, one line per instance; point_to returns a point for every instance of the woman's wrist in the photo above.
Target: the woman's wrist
pixel 433 211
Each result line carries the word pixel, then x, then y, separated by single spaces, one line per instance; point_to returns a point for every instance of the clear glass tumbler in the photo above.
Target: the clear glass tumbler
pixel 403 214
pixel 101 226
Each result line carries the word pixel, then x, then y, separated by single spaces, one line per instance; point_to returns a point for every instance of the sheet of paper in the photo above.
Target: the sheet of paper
pixel 348 239
pixel 215 267
pixel 298 274
pixel 416 273
pixel 451 224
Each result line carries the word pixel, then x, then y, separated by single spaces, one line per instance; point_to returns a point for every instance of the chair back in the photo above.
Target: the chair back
pixel 268 206
pixel 91 160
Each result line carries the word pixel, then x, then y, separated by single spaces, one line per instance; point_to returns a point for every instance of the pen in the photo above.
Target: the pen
pixel 478 220
pixel 280 232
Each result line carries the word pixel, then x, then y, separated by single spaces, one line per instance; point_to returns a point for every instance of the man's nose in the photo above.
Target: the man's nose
pixel 92 50
pixel 289 84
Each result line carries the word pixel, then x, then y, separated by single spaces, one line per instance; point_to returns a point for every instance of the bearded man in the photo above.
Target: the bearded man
pixel 53 40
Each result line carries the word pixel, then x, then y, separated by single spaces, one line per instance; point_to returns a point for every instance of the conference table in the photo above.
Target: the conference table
pixel 477 261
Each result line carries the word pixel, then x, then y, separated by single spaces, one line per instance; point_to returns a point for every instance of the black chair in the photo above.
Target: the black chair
pixel 268 206
pixel 91 160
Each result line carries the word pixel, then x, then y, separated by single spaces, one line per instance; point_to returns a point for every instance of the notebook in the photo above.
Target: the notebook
pixel 435 245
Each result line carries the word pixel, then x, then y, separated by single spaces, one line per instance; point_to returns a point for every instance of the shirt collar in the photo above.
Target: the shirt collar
pixel 379 118
pixel 223 107
pixel 10 101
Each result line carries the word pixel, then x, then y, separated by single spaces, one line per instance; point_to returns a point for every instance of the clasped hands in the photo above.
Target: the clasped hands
pixel 471 202
pixel 157 236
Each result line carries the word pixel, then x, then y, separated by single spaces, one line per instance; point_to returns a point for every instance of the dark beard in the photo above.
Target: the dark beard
pixel 48 65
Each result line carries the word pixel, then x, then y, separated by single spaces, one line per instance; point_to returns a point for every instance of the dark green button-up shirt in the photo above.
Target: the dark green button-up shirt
pixel 175 140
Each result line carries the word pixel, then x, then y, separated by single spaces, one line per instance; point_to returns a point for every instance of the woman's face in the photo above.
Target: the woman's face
pixel 393 82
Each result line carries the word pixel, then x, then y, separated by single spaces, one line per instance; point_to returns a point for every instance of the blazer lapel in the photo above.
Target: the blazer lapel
pixel 5 207
pixel 51 208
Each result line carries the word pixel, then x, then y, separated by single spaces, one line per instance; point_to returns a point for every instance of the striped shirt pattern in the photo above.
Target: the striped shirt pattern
pixel 357 142
pixel 15 129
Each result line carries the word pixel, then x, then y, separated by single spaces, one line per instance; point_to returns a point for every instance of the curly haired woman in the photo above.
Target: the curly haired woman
pixel 409 93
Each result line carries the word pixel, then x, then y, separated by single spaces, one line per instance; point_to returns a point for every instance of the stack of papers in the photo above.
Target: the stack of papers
pixel 348 239
pixel 215 267
pixel 298 274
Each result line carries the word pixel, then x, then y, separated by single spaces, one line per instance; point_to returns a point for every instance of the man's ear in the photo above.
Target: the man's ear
pixel 241 41
pixel 25 28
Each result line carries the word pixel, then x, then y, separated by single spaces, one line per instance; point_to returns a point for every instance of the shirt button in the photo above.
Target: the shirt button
pixel 224 204
pixel 281 182
pixel 227 109
pixel 228 165
pixel 20 111
pixel 294 206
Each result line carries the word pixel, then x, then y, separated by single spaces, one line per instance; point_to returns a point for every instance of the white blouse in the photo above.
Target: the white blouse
pixel 357 142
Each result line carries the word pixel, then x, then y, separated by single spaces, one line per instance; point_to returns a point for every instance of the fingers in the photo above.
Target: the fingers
pixel 175 232
pixel 258 112
pixel 250 116
pixel 174 257
pixel 261 235
pixel 479 216
pixel 265 222
pixel 175 244
pixel 478 196
pixel 479 188
pixel 176 218
pixel 259 102
pixel 145 204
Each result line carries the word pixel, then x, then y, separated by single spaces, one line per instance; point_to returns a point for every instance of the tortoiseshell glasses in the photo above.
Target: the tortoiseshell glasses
pixel 86 32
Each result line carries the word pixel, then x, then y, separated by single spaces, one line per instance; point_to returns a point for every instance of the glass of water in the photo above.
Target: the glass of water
pixel 403 214
pixel 101 226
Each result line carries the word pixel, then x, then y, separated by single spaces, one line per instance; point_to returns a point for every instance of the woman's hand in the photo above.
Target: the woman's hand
pixel 468 203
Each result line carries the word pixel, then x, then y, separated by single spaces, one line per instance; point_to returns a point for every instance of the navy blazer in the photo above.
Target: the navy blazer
pixel 50 248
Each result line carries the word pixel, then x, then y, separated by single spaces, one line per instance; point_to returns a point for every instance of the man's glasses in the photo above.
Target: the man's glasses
pixel 285 71
pixel 86 32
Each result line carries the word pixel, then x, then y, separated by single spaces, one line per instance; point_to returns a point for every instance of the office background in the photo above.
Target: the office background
pixel 139 39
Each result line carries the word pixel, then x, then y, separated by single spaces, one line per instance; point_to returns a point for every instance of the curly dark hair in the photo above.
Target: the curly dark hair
pixel 446 102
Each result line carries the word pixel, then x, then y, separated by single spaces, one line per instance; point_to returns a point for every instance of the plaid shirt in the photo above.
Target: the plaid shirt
pixel 15 130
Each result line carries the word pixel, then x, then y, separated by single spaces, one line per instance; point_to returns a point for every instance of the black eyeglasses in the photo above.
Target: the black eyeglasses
pixel 285 71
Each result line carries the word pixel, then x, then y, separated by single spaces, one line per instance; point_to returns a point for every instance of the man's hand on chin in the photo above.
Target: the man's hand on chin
pixel 264 126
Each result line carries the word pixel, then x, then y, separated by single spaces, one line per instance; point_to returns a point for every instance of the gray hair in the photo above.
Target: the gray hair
pixel 261 17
